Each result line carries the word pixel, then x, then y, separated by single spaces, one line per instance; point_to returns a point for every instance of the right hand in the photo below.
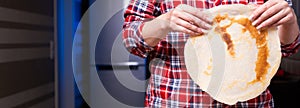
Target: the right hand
pixel 188 19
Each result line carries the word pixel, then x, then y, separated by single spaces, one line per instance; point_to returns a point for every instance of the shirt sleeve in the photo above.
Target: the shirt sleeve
pixel 290 49
pixel 136 14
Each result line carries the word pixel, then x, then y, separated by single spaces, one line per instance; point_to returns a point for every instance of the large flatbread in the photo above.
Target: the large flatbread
pixel 234 61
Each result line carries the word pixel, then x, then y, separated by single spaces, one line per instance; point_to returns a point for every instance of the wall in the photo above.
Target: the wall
pixel 26 67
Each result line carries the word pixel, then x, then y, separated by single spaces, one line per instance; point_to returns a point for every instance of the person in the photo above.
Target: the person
pixel 158 29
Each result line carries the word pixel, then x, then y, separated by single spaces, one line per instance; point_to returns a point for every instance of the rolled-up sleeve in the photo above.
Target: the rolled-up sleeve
pixel 136 14
pixel 292 48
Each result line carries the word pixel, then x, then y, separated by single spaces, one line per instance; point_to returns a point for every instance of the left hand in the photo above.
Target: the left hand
pixel 273 13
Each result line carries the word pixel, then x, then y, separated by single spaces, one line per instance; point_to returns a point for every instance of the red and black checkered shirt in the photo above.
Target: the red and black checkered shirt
pixel 169 84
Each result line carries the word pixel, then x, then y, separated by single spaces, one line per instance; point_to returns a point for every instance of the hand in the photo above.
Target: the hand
pixel 187 19
pixel 273 13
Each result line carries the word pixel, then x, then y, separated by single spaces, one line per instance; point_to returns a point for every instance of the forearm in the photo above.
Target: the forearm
pixel 289 38
pixel 288 33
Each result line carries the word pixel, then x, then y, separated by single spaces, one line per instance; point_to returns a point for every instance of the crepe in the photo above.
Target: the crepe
pixel 234 61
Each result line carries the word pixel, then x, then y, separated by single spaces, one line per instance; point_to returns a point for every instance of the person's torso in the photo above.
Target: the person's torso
pixel 169 81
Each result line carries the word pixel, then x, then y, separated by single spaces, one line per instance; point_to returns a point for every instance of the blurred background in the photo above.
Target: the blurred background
pixel 37 56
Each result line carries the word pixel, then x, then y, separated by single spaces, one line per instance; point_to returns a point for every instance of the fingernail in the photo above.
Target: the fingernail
pixel 197 34
pixel 208 26
pixel 258 27
pixel 209 19
pixel 254 23
pixel 251 18
pixel 204 31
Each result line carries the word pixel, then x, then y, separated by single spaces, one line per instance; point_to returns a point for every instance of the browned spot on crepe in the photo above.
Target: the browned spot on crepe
pixel 244 30
pixel 225 36
pixel 262 64
pixel 219 18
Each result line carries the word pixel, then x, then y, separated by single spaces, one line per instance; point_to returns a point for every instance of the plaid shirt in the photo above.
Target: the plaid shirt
pixel 169 84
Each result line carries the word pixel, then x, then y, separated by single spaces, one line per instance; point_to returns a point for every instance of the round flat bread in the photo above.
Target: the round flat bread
pixel 234 61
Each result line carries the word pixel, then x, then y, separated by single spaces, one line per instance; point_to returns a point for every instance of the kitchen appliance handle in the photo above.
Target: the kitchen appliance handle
pixel 119 66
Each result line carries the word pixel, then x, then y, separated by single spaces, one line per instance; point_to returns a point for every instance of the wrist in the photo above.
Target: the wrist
pixel 290 39
pixel 164 22
pixel 288 33
pixel 155 30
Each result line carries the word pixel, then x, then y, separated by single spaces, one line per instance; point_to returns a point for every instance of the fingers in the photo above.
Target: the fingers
pixel 196 12
pixel 272 13
pixel 187 19
pixel 193 20
pixel 185 24
pixel 260 10
pixel 266 14
pixel 179 28
pixel 273 20
pixel 283 20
